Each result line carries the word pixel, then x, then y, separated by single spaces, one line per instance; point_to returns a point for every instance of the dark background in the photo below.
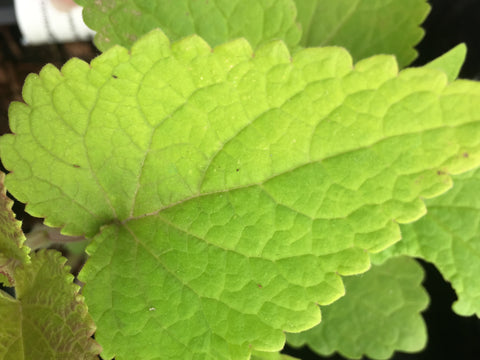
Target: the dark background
pixel 449 23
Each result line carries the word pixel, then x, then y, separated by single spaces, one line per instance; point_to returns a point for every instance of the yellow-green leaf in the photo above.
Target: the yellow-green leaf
pixel 12 251
pixel 227 193
pixel 47 319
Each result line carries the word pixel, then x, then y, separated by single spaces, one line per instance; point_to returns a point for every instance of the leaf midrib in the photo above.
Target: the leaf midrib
pixel 296 167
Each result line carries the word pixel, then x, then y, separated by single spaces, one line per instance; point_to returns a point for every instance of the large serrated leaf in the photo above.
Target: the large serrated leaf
pixel 364 27
pixel 47 319
pixel 121 22
pixel 379 314
pixel 227 192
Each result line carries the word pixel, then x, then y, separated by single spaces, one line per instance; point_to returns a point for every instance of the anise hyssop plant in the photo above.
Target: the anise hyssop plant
pixel 234 164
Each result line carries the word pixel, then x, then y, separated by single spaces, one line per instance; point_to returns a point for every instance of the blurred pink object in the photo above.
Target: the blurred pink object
pixel 50 21
pixel 63 5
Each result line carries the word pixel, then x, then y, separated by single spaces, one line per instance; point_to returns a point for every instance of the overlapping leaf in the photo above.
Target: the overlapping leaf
pixel 123 21
pixel 379 314
pixel 47 319
pixel 449 237
pixel 12 254
pixel 364 27
pixel 227 192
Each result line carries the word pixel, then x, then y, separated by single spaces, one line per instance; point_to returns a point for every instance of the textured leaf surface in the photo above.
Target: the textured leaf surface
pixel 449 237
pixel 227 192
pixel 48 319
pixel 364 27
pixel 121 22
pixel 379 314
pixel 12 252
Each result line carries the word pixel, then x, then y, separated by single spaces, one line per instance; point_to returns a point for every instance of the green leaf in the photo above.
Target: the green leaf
pixel 451 62
pixel 48 319
pixel 226 193
pixel 364 27
pixel 449 237
pixel 379 314
pixel 259 21
pixel 12 251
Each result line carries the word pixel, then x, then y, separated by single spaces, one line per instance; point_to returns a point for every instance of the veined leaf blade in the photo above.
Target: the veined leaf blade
pixel 226 193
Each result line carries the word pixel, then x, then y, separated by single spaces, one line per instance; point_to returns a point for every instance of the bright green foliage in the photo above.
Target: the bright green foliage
pixel 217 21
pixel 12 254
pixel 226 192
pixel 364 27
pixel 48 319
pixel 379 314
pixel 449 237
